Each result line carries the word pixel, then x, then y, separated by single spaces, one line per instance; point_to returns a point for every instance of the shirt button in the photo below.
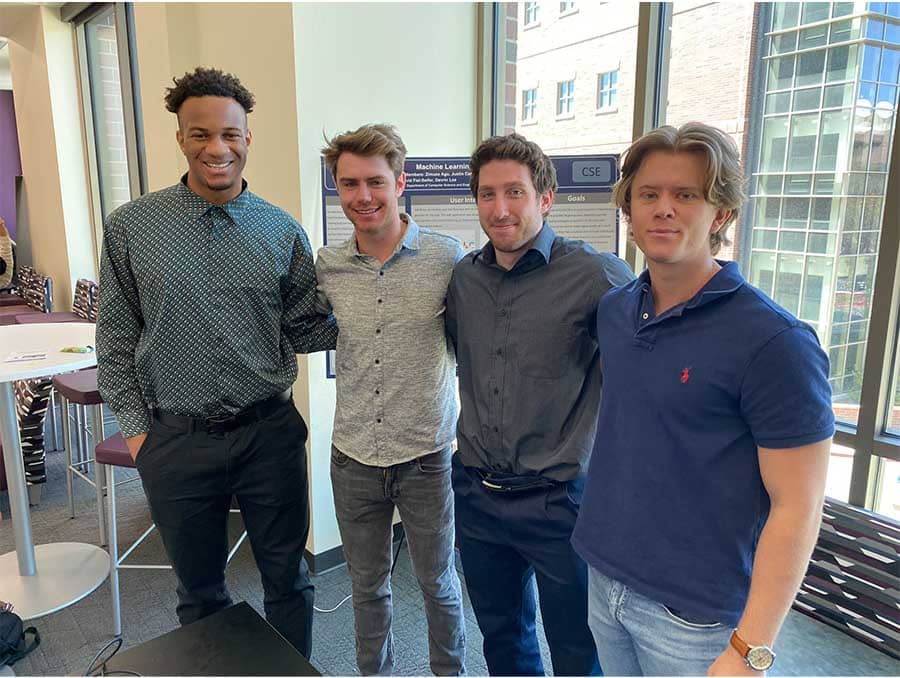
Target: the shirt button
pixel 380 272
pixel 645 315
pixel 502 311
pixel 496 390
pixel 377 361
pixel 379 301
pixel 377 331
pixel 377 392
pixel 499 351
pixel 378 421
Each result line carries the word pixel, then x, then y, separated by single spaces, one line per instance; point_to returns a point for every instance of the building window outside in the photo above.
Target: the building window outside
pixel 566 7
pixel 532 13
pixel 809 93
pixel 828 111
pixel 565 98
pixel 102 45
pixel 607 90
pixel 529 104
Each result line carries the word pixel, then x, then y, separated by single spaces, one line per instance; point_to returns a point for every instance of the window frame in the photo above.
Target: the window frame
pixel 870 439
pixel 534 8
pixel 565 99
pixel 611 91
pixel 529 105
pixel 123 16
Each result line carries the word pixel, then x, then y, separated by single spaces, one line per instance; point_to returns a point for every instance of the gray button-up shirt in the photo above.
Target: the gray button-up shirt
pixel 396 382
pixel 529 369
pixel 203 307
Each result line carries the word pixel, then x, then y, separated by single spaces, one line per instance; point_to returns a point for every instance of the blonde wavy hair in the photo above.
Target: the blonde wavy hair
pixel 724 184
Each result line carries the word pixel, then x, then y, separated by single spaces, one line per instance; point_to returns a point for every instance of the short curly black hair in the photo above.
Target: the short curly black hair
pixel 207 82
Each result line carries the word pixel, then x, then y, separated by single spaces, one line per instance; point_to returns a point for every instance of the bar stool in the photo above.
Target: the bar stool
pixel 110 454
pixel 80 389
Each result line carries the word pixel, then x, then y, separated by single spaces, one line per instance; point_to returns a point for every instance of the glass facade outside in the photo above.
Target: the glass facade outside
pixel 808 92
pixel 831 74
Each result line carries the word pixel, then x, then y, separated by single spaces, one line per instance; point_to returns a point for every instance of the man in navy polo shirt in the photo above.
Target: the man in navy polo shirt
pixel 705 487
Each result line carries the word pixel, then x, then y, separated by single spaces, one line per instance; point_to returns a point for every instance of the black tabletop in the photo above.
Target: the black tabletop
pixel 233 642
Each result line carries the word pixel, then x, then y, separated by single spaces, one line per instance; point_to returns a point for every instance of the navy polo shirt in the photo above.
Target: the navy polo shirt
pixel 674 502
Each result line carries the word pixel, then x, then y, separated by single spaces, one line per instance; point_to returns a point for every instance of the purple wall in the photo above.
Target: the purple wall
pixel 10 163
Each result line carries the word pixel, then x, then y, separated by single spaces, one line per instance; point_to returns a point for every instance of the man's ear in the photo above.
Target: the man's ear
pixel 546 201
pixel 722 217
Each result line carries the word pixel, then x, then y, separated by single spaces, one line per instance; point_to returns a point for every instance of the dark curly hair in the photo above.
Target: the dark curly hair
pixel 207 82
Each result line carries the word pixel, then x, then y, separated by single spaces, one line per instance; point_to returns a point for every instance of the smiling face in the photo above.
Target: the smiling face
pixel 214 138
pixel 670 217
pixel 510 209
pixel 369 191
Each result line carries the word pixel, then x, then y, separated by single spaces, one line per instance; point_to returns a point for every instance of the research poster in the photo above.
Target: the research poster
pixel 437 196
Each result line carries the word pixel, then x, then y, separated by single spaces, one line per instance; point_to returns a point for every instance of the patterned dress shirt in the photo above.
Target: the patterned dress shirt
pixel 396 380
pixel 203 306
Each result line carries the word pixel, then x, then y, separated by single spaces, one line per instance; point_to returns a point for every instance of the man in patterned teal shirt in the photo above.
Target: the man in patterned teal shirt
pixel 206 294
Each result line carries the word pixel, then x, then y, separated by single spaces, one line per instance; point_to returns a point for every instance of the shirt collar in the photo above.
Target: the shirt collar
pixel 196 207
pixel 542 244
pixel 727 280
pixel 410 240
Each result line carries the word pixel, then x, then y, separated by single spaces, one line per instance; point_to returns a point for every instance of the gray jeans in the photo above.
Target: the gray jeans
pixel 365 497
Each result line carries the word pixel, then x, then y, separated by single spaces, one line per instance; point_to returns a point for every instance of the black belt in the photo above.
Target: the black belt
pixel 505 482
pixel 222 423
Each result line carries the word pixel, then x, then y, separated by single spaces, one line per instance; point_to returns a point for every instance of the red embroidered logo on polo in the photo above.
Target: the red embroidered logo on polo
pixel 685 374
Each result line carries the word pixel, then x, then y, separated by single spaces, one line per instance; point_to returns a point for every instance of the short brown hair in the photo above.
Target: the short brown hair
pixel 368 140
pixel 518 148
pixel 724 185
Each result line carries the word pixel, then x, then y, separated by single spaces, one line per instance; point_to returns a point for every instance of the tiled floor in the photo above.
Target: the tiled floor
pixel 72 637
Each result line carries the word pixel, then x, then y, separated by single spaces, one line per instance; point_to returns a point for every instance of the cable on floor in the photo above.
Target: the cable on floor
pixel 348 597
pixel 95 669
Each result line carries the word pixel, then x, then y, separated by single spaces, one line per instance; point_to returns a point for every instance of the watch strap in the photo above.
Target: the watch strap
pixel 739 644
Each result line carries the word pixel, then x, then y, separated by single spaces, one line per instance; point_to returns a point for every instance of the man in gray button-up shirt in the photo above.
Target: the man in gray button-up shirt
pixel 396 405
pixel 522 314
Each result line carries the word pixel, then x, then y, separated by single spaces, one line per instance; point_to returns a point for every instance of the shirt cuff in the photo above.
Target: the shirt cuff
pixel 133 422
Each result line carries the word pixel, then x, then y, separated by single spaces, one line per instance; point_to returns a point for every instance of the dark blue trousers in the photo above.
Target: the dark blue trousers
pixel 507 541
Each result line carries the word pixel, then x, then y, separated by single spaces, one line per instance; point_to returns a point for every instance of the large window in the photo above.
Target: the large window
pixel 108 96
pixel 809 93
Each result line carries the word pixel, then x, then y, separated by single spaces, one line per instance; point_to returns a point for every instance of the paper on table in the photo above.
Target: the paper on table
pixel 25 356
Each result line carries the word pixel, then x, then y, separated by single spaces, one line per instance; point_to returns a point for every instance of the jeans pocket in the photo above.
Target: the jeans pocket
pixel 436 462
pixel 338 458
pixel 691 621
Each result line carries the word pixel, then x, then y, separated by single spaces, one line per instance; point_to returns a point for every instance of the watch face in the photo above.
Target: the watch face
pixel 760 658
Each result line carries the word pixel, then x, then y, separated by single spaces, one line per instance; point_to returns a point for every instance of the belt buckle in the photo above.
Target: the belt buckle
pixel 217 422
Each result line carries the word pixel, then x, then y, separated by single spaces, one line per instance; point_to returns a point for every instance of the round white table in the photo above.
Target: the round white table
pixel 43 579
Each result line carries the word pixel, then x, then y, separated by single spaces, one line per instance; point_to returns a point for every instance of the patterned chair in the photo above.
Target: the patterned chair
pixel 853 579
pixel 84 307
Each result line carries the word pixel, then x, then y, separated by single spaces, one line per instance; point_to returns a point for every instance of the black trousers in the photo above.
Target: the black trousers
pixel 189 479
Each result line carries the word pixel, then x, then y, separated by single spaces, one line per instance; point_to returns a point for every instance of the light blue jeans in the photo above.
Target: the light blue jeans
pixel 637 636
pixel 364 499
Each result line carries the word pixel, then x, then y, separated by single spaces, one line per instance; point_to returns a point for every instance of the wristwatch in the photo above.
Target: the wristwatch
pixel 758 657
